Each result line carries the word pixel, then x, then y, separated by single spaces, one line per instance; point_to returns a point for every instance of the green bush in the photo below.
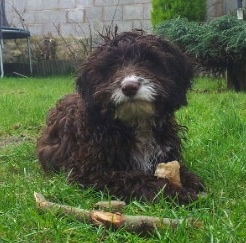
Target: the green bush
pixel 220 45
pixel 194 10
pixel 217 42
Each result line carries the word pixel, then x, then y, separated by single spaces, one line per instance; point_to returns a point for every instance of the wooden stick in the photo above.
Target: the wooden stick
pixel 113 205
pixel 139 224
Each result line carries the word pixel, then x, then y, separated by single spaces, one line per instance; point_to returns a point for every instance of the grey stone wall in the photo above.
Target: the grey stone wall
pixel 77 17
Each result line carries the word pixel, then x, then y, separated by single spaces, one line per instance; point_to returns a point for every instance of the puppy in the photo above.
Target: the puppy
pixel 120 124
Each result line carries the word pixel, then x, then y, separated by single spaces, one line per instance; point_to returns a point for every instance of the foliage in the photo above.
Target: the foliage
pixel 215 150
pixel 216 43
pixel 194 10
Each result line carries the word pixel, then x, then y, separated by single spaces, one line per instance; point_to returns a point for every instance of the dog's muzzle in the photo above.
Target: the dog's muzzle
pixel 134 88
pixel 134 99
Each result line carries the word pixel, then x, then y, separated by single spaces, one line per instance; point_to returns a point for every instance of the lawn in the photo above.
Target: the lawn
pixel 215 149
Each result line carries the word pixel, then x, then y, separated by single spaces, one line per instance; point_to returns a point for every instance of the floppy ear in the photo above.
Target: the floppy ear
pixel 183 78
pixel 92 77
pixel 86 84
pixel 87 77
pixel 94 71
pixel 83 86
pixel 180 70
pixel 86 90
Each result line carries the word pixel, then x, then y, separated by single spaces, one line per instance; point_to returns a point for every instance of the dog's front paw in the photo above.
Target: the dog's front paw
pixel 190 180
pixel 182 195
pixel 195 183
pixel 186 196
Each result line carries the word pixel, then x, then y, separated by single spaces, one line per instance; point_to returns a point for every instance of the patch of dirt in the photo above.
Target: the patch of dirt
pixel 11 140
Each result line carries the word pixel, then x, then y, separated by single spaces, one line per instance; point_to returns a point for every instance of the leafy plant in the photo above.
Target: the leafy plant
pixel 219 44
pixel 168 9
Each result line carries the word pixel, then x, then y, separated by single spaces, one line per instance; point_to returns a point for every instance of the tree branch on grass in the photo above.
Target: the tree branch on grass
pixel 138 224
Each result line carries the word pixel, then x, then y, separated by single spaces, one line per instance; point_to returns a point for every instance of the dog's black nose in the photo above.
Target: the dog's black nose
pixel 130 87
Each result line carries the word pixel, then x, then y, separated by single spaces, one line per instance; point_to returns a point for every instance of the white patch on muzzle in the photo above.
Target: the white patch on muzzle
pixel 146 91
pixel 134 105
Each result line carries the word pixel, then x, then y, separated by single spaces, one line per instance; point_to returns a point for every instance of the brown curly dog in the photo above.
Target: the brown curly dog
pixel 120 124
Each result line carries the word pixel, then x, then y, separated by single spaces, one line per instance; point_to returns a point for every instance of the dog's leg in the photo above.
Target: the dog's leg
pixel 127 185
pixel 190 180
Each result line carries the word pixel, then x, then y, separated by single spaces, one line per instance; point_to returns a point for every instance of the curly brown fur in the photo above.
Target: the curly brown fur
pixel 120 124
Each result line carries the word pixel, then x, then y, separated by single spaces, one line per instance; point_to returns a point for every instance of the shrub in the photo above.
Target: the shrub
pixel 194 10
pixel 219 44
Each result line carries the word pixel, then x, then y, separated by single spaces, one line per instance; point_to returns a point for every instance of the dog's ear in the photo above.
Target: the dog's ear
pixel 83 80
pixel 180 71
pixel 86 90
pixel 90 73
pixel 183 78
pixel 92 76
pixel 86 83
pixel 94 71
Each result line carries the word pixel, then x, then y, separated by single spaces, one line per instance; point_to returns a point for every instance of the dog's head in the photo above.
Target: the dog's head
pixel 135 75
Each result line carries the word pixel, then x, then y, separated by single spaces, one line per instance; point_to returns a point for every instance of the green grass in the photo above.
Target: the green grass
pixel 215 150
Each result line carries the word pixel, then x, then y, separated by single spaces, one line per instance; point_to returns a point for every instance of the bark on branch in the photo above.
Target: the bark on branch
pixel 139 224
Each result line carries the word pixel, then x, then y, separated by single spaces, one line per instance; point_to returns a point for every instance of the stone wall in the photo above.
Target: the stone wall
pixel 78 17
pixel 216 8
